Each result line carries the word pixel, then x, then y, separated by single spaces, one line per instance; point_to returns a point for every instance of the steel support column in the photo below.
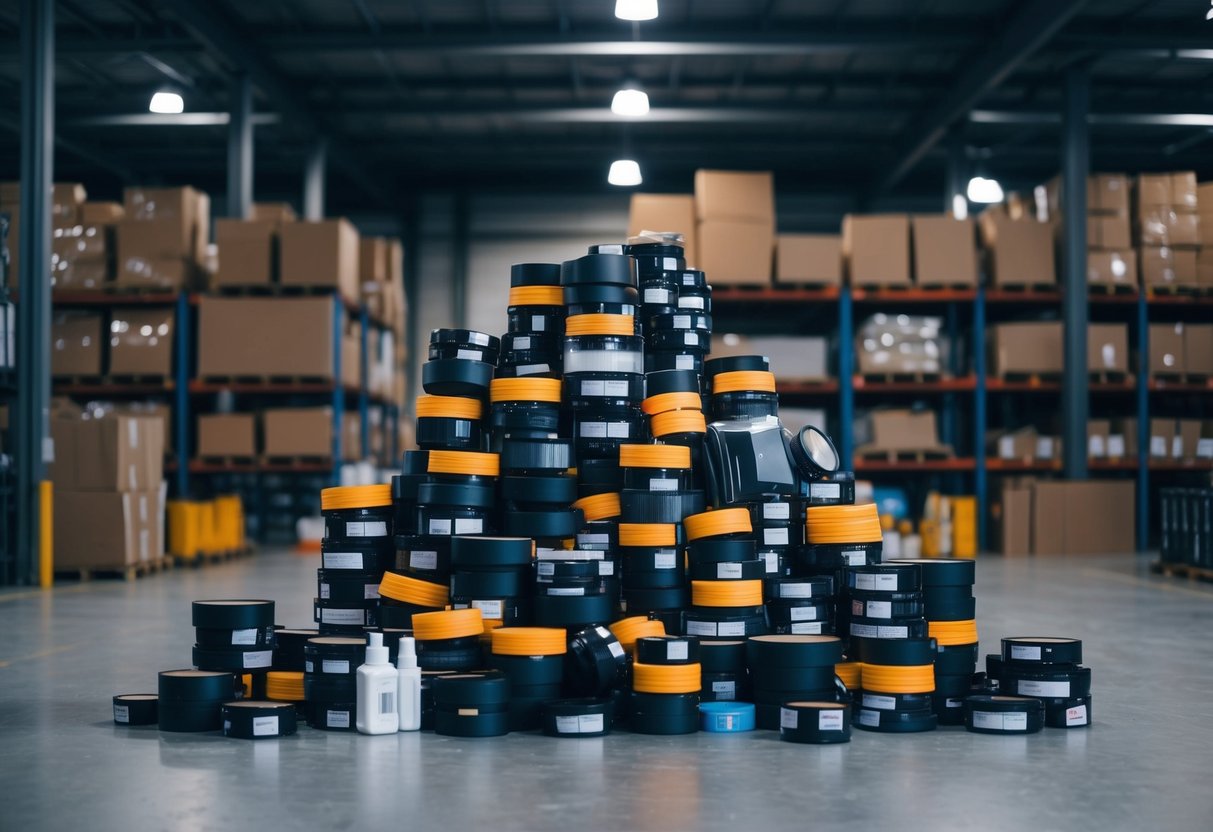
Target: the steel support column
pixel 34 307
pixel 412 300
pixel 1075 153
pixel 459 262
pixel 314 179
pixel 240 150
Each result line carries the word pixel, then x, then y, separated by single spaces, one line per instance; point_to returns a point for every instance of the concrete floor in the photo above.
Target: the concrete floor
pixel 1144 764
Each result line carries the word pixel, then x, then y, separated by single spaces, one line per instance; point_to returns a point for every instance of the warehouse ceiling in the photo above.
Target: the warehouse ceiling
pixel 857 97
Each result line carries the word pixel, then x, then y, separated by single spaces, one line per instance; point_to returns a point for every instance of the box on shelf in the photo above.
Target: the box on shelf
pixel 247 250
pixel 1165 226
pixel 1188 433
pixel 1108 348
pixel 1177 190
pixel 1162 438
pixel 1108 231
pixel 101 213
pixel 116 452
pixel 76 344
pixel 351 355
pixel 1198 349
pixel 297 432
pixel 665 212
pixel 227 435
pixel 945 251
pixel 1098 431
pixel 1017 444
pixel 903 430
pixel 734 195
pixel 1204 264
pixel 792 358
pixel 1025 348
pixel 814 259
pixel 1082 517
pixel 1164 266
pixel 1019 252
pixel 80 257
pixel 901 344
pixel 351 437
pixel 278 212
pixel 736 252
pixel 1112 268
pixel 1107 193
pixel 372 259
pixel 177 223
pixel 141 342
pixel 876 249
pixel 1167 348
pixel 323 254
pixel 261 337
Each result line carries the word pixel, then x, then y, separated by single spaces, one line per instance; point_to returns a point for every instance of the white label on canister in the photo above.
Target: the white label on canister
pixel 685 362
pixel 775 537
pixel 877 583
pixel 1076 715
pixel 829 720
pixel 885 631
pixel 688 278
pixel 953 703
pixel 337 719
pixel 676 651
pixel 618 430
pixel 538 323
pixel 122 713
pixel 730 628
pixel 615 389
pixel 423 559
pixel 807 628
pixel 249 636
pixel 689 339
pixel 788 718
pixel 258 658
pixel 342 560
pixel 566 591
pixel 701 628
pixel 802 613
pixel 522 342
pixel 662 484
pixel 690 302
pixel 665 559
pixel 606 568
pixel 797 590
pixel 854 557
pixel 580 724
pixel 869 718
pixel 265 726
pixel 594 430
pixel 341 666
pixel 864 630
pixel 1044 690
pixel 546 568
pixel 593 539
pixel 334 616
pixel 776 511
pixel 879 609
pixel 325 592
pixel 370 591
pixel 993 721
pixel 366 528
pixel 825 490
pixel 726 691
pixel 682 322
pixel 308 666
pixel 772 561
pixel 492 608
pixel 1025 653
pixel 660 297
pixel 531 369
pixel 728 571
pixel 439 527
pixel 469 525
pixel 593 387
pixel 882 703
pixel 616 648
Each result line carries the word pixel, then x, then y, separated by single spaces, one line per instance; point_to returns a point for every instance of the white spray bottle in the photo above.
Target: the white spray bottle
pixel 409 676
pixel 377 695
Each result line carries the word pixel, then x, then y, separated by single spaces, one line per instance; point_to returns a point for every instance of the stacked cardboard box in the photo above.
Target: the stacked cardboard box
pixel 140 342
pixel 735 232
pixel 1181 350
pixel 268 337
pixel 876 249
pixel 665 213
pixel 1060 517
pixel 320 254
pixel 76 343
pixel 82 253
pixel 1019 252
pixel 381 281
pixel 1035 348
pixel 67 198
pixel 162 242
pixel 109 490
pixel 1204 258
pixel 792 358
pixel 895 431
pixel 289 432
pixel 808 259
pixel 945 251
pixel 1111 259
pixel 1167 223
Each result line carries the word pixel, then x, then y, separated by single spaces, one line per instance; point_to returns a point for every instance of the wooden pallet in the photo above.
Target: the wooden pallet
pixel 886 287
pixel 1182 570
pixel 1174 289
pixel 902 378
pixel 138 379
pixel 1182 378
pixel 1026 287
pixel 817 286
pixel 228 461
pixel 141 291
pixel 1109 377
pixel 1032 378
pixel 265 380
pixel 296 460
pixel 78 380
pixel 125 572
pixel 1112 288
pixel 904 455
pixel 936 286
pixel 276 290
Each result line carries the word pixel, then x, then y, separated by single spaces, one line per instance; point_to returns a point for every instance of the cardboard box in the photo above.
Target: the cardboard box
pixel 1188 434
pixel 351 437
pixel 1018 444
pixel 1184 190
pixel 734 195
pixel 1153 189
pixel 1162 438
pixel 1108 231
pixel 1167 348
pixel 1019 252
pixel 1048 517
pixel 1112 268
pixel 101 213
pixel 903 430
pixel 278 212
pixel 1198 349
pixel 298 432
pixel 95 529
pixel 227 435
pixel 1166 266
pixel 1165 226
pixel 1204 262
pixel 1099 517
pixel 945 251
pixel 323 253
pixel 180 217
pixel 118 452
pixel 1108 348
pixel 666 212
pixel 1015 521
pixel 141 342
pixel 792 358
pixel 1108 192
pixel 736 252
pixel 372 260
pixel 76 344
pixel 1126 429
pixel 246 252
pixel 877 249
pixel 1025 348
pixel 1098 431
pixel 265 337
pixel 808 259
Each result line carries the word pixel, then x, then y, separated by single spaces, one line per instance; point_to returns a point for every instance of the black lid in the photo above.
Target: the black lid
pixel 535 274
pixel 599 268
pixel 735 363
pixel 671 381
pixel 600 293
pixel 656 250
pixel 465 336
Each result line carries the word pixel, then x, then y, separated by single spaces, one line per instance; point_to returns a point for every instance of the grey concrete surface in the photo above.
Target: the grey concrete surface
pixel 1143 765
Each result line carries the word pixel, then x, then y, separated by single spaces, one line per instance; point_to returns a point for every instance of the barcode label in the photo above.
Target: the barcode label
pixel 265 726
pixel 776 511
pixel 423 560
pixel 367 528
pixel 387 702
pixel 685 362
pixel 523 343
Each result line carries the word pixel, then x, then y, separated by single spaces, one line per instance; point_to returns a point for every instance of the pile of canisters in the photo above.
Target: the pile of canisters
pixel 1041 677
pixel 356 549
pixel 532 344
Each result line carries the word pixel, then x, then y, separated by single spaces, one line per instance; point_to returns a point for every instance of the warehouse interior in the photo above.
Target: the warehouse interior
pixel 280 278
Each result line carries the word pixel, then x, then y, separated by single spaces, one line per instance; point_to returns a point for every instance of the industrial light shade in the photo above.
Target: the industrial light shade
pixel 166 102
pixel 984 190
pixel 630 101
pixel 636 9
pixel 625 173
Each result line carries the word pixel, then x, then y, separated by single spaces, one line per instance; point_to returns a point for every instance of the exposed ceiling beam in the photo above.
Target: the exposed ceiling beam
pixel 166 120
pixel 1031 26
pixel 1094 119
pixel 85 151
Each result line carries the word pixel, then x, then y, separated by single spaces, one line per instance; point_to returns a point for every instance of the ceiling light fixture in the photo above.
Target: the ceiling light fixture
pixel 983 190
pixel 166 102
pixel 625 173
pixel 636 9
pixel 630 101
